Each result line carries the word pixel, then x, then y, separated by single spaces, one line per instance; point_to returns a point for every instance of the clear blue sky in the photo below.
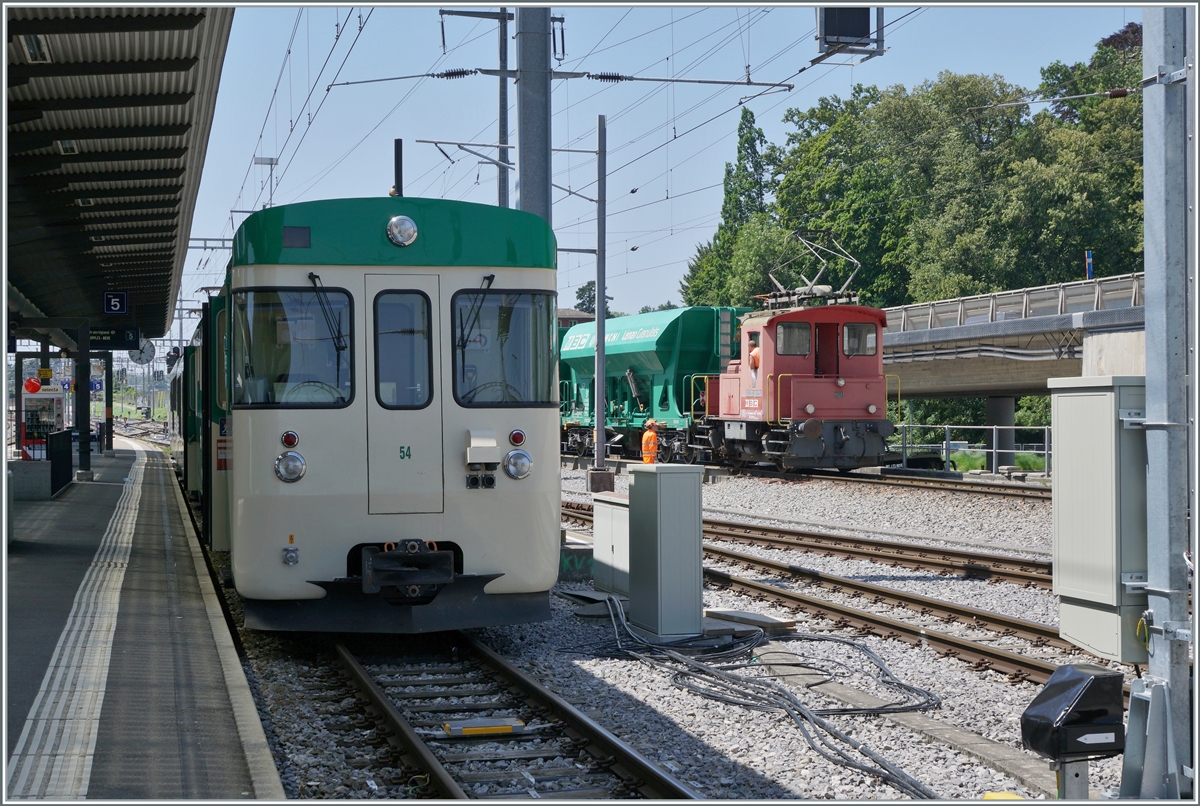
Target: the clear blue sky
pixel 659 140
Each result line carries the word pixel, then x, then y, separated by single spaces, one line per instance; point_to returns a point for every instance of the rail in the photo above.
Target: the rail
pixel 628 773
pixel 691 412
pixel 1105 293
pixel 974 564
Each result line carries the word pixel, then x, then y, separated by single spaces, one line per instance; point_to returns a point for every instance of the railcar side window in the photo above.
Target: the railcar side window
pixel 859 338
pixel 292 348
pixel 403 350
pixel 505 346
pixel 793 338
pixel 221 347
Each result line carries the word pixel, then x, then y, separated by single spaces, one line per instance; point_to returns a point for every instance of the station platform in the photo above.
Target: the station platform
pixel 122 679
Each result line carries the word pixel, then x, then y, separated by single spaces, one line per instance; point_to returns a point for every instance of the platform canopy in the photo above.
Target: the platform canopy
pixel 109 113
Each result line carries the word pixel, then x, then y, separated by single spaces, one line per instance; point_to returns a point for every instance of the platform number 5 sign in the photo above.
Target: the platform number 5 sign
pixel 116 303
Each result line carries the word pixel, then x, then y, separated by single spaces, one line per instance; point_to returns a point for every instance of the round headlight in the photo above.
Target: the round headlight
pixel 517 464
pixel 289 466
pixel 402 230
pixel 810 408
pixel 841 381
pixel 871 408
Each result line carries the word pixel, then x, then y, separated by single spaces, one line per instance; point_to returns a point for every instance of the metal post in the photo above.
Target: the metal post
pixel 1165 145
pixel 502 172
pixel 398 160
pixel 83 399
pixel 904 445
pixel 533 111
pixel 601 308
pixel 1046 448
pixel 995 449
pixel 18 414
pixel 108 401
pixel 1072 779
pixel 946 449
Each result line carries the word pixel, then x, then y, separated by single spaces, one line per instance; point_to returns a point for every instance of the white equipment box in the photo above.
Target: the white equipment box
pixel 665 566
pixel 1100 512
pixel 610 543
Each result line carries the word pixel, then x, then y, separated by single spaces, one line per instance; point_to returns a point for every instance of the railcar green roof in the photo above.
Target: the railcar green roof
pixel 353 232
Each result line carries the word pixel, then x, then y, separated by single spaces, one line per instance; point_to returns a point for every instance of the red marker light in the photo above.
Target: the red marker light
pixel 517 437
pixel 290 439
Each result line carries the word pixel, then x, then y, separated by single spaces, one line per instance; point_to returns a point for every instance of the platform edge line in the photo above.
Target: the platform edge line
pixel 264 776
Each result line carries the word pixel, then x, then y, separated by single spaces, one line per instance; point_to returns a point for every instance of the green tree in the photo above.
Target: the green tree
pixel 666 306
pixel 746 189
pixel 585 297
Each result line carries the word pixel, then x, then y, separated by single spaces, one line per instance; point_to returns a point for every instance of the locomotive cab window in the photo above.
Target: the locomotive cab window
pixel 859 338
pixel 292 348
pixel 505 346
pixel 793 338
pixel 403 350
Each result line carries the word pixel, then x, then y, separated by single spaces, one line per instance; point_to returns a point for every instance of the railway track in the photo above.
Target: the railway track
pixel 981 654
pixel 992 488
pixel 980 565
pixel 949 612
pixel 466 723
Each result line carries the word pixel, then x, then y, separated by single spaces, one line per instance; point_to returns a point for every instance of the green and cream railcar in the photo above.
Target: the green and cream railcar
pixel 394 416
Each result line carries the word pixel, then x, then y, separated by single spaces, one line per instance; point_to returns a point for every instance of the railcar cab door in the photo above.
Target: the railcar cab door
pixel 404 416
pixel 828 348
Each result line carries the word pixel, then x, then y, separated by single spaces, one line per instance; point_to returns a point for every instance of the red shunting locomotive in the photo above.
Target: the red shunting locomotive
pixel 809 389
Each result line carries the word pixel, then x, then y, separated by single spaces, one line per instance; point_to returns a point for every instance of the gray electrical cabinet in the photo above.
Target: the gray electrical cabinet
pixel 1100 512
pixel 666 579
pixel 610 543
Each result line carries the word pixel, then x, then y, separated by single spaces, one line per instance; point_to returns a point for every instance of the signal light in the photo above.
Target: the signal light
pixel 290 439
pixel 517 437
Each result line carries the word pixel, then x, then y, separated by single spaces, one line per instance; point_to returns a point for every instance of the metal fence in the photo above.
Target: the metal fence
pixel 926 439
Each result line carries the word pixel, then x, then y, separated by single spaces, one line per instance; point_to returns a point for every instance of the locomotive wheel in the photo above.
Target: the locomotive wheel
pixel 738 464
pixel 689 455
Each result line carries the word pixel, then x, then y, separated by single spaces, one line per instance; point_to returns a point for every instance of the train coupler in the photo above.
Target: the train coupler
pixel 410 566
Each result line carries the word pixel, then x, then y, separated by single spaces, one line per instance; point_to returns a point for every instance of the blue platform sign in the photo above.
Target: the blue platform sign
pixel 116 303
pixel 66 386
pixel 96 386
pixel 1087 258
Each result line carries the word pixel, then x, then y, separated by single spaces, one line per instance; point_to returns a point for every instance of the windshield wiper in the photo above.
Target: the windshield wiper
pixel 339 340
pixel 466 331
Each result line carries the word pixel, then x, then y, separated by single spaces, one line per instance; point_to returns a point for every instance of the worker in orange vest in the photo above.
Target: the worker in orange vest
pixel 650 443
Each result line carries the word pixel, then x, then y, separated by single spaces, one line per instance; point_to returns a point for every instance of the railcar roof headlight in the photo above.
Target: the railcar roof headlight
pixel 290 466
pixel 402 230
pixel 517 464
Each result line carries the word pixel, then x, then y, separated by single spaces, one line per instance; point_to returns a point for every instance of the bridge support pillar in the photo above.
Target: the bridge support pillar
pixel 1001 411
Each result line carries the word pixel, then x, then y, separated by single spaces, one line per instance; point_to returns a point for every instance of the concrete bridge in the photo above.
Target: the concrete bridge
pixel 1010 342
pixel 1007 344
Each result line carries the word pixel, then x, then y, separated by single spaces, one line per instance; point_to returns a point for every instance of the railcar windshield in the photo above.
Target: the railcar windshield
pixel 859 338
pixel 505 348
pixel 292 348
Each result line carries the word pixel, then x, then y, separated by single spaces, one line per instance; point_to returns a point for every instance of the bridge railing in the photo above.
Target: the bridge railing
pixel 1104 293
pixel 920 441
